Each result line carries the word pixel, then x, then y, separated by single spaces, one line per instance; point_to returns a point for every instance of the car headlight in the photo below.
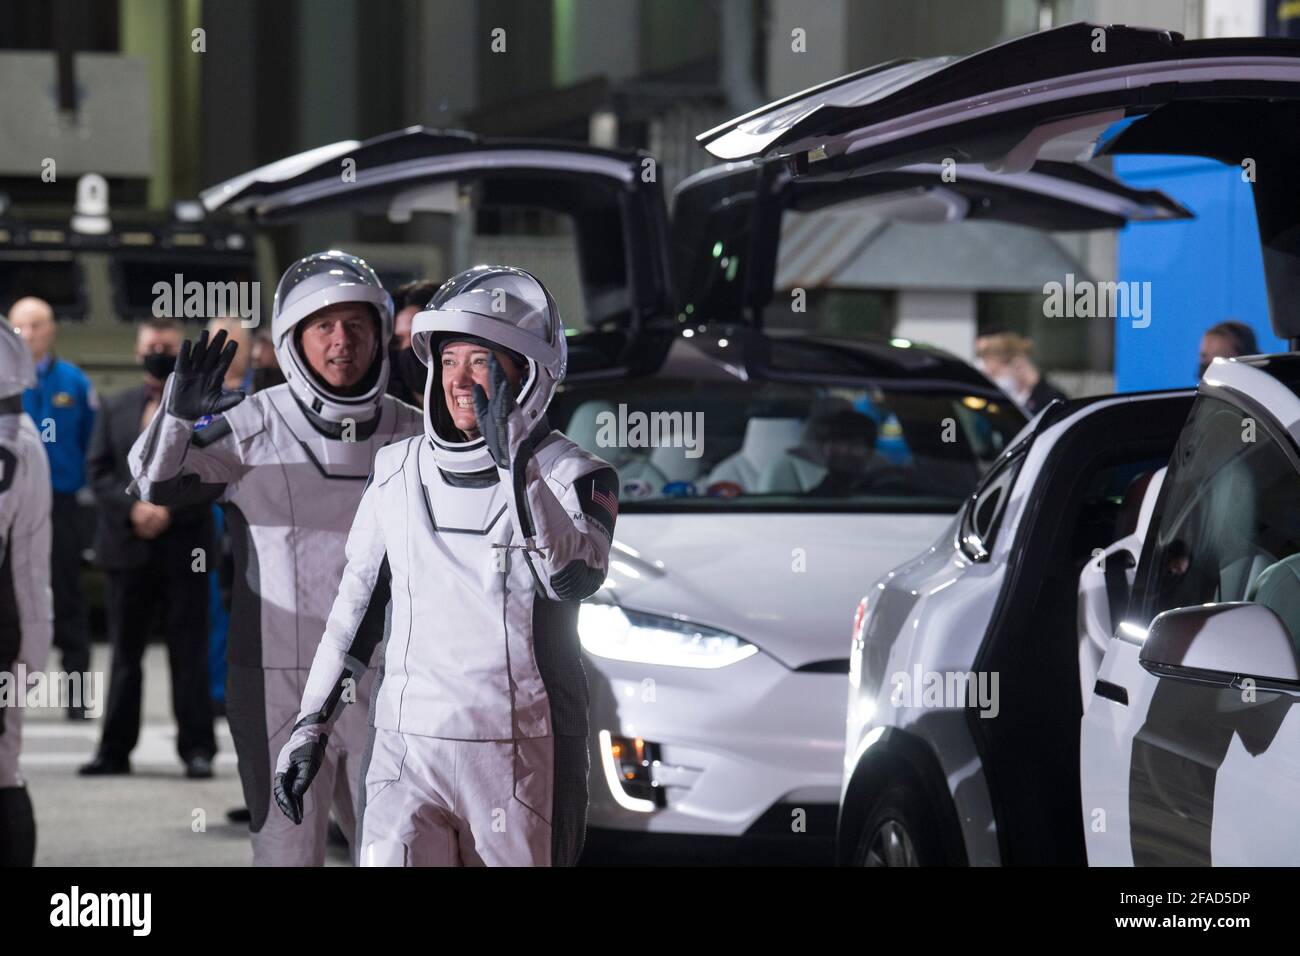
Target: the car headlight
pixel 607 630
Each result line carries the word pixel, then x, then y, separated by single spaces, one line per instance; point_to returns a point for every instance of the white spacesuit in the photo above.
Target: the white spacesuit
pixel 289 465
pixel 26 602
pixel 485 532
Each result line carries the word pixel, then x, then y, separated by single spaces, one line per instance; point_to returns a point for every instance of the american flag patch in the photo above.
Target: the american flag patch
pixel 606 500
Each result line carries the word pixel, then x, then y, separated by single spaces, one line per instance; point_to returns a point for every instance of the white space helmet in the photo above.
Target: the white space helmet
pixel 17 372
pixel 508 308
pixel 310 284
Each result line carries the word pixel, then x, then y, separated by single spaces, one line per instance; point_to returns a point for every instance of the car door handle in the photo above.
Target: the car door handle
pixel 1104 688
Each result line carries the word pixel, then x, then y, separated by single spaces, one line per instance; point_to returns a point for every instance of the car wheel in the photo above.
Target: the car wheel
pixel 900 831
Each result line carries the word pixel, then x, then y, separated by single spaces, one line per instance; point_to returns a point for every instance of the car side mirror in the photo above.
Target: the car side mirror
pixel 1218 642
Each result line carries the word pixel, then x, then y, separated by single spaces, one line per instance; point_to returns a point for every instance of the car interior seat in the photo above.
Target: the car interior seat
pixel 1128 520
pixel 1278 589
pixel 791 475
pixel 1230 523
pixel 584 428
pixel 792 472
pixel 664 464
pixel 766 440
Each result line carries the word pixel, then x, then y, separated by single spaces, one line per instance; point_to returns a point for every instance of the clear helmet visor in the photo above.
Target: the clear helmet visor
pixel 509 311
pixel 325 268
pixel 323 286
pixel 497 303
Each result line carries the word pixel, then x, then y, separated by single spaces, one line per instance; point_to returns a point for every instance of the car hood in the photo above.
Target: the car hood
pixel 739 572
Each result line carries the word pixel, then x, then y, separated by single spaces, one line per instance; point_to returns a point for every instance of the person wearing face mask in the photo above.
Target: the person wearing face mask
pixel 407 379
pixel 1229 339
pixel 470 552
pixel 26 601
pixel 289 465
pixel 149 553
pixel 1005 358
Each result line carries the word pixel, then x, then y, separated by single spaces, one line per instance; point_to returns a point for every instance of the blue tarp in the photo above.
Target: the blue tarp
pixel 1201 271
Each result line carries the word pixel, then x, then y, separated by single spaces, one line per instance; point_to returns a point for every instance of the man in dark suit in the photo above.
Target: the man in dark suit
pixel 153 556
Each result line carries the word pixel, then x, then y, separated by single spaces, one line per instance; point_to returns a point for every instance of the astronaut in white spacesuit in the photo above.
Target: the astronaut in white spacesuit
pixel 484 533
pixel 26 601
pixel 289 464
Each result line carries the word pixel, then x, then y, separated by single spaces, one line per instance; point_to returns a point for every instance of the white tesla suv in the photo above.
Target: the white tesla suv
pixel 970 737
pixel 715 653
pixel 805 465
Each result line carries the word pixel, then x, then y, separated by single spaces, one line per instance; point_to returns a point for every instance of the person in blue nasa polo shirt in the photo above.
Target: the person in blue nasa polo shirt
pixel 63 407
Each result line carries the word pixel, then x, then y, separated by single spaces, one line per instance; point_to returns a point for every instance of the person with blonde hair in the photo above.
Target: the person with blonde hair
pixel 1006 358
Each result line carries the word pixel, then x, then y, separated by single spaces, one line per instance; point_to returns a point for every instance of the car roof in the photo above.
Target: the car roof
pixel 731 353
pixel 407 155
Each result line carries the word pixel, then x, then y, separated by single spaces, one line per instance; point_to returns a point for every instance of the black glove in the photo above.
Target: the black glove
pixel 291 786
pixel 199 374
pixel 494 425
pixel 494 413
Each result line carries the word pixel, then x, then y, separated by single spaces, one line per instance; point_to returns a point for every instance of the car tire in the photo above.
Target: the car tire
pixel 900 830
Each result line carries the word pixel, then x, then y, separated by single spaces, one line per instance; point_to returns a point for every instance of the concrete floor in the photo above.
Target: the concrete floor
pixel 154 816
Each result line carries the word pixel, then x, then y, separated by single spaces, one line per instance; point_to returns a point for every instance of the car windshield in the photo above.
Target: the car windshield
pixel 691 445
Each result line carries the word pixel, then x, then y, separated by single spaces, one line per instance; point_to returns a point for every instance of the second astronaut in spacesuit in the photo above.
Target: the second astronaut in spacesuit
pixel 470 551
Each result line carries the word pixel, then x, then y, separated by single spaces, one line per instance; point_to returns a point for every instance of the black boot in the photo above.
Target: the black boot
pixel 17 828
